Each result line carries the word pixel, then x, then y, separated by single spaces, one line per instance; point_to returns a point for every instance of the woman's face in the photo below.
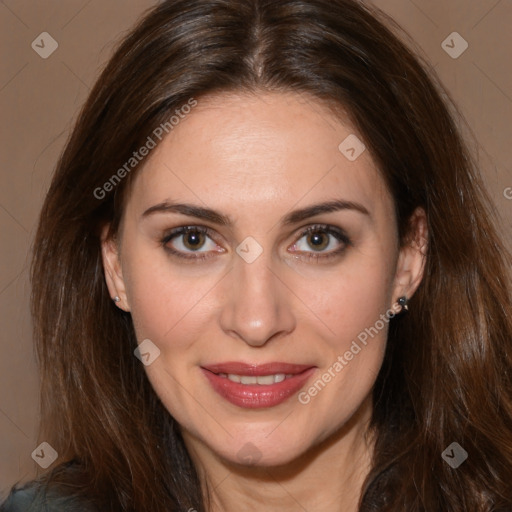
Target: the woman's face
pixel 290 298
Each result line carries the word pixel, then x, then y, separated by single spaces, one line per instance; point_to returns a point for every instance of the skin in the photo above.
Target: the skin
pixel 255 158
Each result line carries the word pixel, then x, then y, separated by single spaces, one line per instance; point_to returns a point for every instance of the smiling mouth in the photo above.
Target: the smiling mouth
pixel 257 386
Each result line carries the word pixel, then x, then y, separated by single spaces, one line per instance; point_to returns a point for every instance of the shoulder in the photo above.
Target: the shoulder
pixel 32 497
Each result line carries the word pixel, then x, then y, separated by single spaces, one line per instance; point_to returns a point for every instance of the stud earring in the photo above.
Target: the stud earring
pixel 116 299
pixel 403 301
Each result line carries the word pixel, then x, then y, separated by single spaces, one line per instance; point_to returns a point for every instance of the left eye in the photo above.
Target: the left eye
pixel 318 239
pixel 322 239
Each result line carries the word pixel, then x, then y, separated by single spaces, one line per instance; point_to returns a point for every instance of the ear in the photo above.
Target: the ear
pixel 112 267
pixel 412 257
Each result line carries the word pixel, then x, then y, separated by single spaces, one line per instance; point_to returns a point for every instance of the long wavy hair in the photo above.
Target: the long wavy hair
pixel 447 371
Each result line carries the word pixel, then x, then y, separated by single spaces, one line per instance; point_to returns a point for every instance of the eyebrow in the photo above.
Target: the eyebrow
pixel 224 220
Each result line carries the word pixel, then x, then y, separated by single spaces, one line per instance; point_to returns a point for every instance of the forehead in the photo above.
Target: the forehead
pixel 255 151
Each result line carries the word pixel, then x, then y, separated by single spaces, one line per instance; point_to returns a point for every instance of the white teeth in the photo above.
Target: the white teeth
pixel 264 380
pixel 246 379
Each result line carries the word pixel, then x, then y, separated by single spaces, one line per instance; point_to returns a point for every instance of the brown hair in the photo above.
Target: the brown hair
pixel 447 373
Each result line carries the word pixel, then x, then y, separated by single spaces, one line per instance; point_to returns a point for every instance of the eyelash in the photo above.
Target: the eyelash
pixel 323 228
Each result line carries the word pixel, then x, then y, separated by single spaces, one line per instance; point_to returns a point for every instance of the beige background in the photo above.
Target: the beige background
pixel 39 99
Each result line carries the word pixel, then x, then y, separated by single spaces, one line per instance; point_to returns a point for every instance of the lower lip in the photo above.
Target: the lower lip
pixel 257 396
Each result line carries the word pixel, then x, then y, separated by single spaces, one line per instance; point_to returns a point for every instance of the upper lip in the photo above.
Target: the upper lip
pixel 239 368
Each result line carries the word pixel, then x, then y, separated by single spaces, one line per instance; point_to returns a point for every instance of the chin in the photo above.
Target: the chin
pixel 265 450
pixel 249 455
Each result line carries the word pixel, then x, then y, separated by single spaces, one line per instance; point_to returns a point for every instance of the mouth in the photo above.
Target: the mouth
pixel 257 386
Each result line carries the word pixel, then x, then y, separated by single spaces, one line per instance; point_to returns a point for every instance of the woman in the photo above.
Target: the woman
pixel 266 277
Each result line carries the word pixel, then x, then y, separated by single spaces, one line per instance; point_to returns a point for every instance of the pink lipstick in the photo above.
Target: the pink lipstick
pixel 257 386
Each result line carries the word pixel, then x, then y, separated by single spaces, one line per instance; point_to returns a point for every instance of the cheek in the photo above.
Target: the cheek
pixel 163 300
pixel 353 308
pixel 350 299
pixel 358 323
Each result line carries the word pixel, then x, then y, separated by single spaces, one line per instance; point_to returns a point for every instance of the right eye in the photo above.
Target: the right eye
pixel 184 241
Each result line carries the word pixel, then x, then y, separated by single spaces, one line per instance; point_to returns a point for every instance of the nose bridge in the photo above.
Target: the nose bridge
pixel 255 307
pixel 257 279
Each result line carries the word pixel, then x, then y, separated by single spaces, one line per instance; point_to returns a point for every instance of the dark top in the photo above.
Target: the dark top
pixel 32 498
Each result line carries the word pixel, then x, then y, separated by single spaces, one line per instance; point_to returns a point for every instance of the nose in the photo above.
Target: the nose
pixel 257 304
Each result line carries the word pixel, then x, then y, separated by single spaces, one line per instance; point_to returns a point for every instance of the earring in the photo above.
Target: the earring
pixel 403 301
pixel 116 299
